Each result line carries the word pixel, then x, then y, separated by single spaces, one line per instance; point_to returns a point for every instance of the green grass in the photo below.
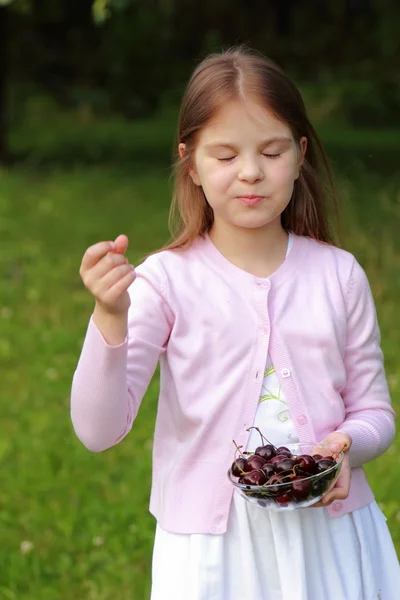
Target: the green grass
pixel 86 515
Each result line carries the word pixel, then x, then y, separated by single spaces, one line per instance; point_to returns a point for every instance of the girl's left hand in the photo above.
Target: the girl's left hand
pixel 338 441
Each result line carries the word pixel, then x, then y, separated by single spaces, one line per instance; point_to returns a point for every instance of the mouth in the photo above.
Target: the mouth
pixel 250 200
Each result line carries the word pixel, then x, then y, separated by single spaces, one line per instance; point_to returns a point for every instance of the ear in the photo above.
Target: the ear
pixel 182 150
pixel 302 153
pixel 192 172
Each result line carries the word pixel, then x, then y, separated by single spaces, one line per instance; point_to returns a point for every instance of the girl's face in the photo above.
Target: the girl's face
pixel 246 161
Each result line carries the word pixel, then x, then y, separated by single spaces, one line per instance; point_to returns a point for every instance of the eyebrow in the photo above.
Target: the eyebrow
pixel 262 145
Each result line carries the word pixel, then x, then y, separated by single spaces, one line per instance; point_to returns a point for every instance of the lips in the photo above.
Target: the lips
pixel 250 200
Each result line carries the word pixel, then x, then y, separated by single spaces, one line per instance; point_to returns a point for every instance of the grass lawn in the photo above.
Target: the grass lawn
pixel 76 524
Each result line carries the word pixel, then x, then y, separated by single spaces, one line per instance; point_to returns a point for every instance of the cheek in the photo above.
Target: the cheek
pixel 217 178
pixel 285 173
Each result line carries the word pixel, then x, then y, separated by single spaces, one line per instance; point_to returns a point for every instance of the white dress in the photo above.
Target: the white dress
pixel 269 555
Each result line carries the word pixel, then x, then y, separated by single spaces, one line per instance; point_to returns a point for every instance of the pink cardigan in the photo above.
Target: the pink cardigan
pixel 211 324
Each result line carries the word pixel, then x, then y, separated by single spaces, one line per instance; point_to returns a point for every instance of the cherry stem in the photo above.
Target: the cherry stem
pixel 238 450
pixel 263 438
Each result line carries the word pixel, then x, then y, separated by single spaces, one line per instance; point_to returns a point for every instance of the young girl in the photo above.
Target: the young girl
pixel 256 319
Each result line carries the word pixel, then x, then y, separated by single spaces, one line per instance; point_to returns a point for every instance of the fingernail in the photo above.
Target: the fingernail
pixel 112 245
pixel 335 447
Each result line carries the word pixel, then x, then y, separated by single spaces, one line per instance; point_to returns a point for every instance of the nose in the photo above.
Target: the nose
pixel 251 170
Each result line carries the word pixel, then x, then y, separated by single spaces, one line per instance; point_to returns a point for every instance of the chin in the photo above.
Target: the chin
pixel 253 223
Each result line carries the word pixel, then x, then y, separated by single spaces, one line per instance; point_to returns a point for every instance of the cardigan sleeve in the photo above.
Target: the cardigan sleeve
pixel 110 381
pixel 369 419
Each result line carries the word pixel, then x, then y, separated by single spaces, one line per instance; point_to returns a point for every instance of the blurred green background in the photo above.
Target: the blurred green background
pixel 89 96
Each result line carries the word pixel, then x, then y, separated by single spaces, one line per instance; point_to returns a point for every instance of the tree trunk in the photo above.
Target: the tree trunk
pixel 4 155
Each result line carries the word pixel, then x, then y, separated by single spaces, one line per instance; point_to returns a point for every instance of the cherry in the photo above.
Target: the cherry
pixel 255 462
pixel 284 498
pixel 239 467
pixel 284 450
pixel 324 464
pixel 254 478
pixel 306 463
pixel 286 464
pixel 317 457
pixel 301 488
pixel 266 452
pixel 319 487
pixel 275 486
pixel 278 458
pixel 268 469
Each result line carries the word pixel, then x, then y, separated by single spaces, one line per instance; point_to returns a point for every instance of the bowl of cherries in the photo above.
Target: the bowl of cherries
pixel 285 477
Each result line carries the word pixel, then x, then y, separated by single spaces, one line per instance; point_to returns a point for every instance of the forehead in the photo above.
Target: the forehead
pixel 241 120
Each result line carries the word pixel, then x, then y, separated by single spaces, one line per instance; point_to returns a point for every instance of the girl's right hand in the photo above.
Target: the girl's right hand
pixel 107 274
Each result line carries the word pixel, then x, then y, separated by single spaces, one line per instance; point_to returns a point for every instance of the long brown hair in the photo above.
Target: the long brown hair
pixel 237 73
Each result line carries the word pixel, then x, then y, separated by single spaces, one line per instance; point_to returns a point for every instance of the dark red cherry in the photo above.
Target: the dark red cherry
pixel 277 458
pixel 286 464
pixel 283 450
pixel 254 478
pixel 320 487
pixel 268 469
pixel 274 485
pixel 266 452
pixel 284 498
pixel 306 463
pixel 324 464
pixel 255 462
pixel 301 488
pixel 239 467
pixel 317 457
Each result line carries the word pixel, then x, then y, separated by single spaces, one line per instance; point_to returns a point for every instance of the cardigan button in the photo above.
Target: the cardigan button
pixel 302 420
pixel 263 284
pixel 285 373
pixel 337 506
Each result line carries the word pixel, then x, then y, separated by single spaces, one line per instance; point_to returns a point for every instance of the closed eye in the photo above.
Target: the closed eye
pixel 229 158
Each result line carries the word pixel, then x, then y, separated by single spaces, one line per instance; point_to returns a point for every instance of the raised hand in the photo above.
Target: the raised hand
pixel 107 274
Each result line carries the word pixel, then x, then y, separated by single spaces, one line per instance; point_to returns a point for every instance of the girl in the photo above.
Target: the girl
pixel 256 318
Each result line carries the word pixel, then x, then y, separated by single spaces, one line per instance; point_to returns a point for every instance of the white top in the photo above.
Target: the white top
pixel 268 555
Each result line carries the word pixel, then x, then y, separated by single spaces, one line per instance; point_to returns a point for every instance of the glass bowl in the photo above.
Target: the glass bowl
pixel 287 494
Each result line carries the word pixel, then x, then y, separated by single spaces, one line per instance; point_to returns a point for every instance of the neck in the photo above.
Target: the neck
pixel 258 251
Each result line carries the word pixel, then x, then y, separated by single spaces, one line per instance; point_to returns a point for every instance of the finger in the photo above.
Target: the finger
pixel 339 492
pixel 94 253
pixel 322 450
pixel 113 276
pixel 342 487
pixel 121 286
pixel 327 499
pixel 319 504
pixel 121 243
pixel 339 446
pixel 92 278
pixel 105 265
